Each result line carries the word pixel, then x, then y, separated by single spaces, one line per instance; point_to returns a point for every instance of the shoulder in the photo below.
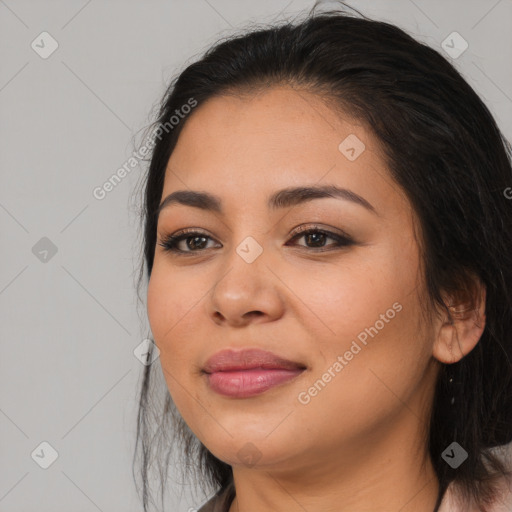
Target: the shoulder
pixel 208 506
pixel 451 503
pixel 221 501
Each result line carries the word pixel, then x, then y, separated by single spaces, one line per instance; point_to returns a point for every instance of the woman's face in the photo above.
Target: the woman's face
pixel 347 311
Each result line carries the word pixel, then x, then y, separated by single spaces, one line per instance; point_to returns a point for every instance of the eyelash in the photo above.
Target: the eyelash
pixel 170 242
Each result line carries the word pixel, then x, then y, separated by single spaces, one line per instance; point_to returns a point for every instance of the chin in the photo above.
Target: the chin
pixel 244 452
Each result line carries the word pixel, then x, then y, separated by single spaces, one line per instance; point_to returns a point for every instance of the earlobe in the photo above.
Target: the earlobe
pixel 459 333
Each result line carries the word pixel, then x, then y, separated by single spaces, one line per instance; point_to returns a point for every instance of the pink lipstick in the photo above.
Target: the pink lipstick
pixel 249 372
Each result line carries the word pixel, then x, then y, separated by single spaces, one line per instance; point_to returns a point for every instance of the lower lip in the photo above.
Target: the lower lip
pixel 246 383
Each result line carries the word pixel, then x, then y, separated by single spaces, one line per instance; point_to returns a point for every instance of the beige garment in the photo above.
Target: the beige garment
pixel 222 501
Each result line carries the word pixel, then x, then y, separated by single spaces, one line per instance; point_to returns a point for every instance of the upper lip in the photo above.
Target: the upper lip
pixel 228 359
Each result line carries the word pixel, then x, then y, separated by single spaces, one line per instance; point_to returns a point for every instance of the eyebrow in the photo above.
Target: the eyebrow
pixel 284 198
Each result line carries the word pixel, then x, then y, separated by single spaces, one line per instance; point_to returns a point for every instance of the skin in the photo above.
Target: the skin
pixel 359 444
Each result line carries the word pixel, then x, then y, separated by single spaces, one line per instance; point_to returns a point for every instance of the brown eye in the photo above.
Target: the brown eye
pixel 196 241
pixel 316 238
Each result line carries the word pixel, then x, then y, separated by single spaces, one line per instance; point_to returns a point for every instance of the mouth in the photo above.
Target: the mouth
pixel 250 372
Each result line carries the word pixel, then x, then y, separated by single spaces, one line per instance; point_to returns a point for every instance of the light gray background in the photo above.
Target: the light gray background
pixel 69 325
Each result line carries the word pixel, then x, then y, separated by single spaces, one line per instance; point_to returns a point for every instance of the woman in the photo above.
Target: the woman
pixel 327 244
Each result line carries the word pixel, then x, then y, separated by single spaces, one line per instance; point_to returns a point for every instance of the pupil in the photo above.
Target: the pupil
pixel 194 245
pixel 316 242
pixel 315 239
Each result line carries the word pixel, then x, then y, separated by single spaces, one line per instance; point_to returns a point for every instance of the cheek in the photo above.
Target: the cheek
pixel 166 309
pixel 339 302
pixel 169 300
pixel 159 306
pixel 369 317
pixel 351 398
pixel 174 305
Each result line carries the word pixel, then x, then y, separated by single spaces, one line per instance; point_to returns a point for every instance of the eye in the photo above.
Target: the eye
pixel 316 236
pixel 197 241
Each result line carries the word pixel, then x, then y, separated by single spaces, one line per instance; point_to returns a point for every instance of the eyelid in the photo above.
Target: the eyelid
pixel 293 232
pixel 342 239
pixel 318 227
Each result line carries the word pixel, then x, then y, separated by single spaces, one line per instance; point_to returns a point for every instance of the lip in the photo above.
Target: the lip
pixel 249 372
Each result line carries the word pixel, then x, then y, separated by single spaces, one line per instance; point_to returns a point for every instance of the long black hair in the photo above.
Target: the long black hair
pixel 446 152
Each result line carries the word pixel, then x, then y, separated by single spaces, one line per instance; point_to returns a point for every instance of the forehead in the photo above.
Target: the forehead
pixel 275 115
pixel 256 143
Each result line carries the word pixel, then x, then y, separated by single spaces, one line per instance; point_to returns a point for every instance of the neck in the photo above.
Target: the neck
pixel 387 471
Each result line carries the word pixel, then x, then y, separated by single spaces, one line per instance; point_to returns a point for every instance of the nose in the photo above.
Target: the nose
pixel 245 293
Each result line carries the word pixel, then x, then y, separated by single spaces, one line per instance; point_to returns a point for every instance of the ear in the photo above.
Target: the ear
pixel 458 333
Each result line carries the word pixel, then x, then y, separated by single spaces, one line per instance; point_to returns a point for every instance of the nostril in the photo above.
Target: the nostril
pixel 253 313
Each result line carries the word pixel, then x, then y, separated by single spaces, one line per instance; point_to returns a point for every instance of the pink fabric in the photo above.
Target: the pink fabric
pixel 504 503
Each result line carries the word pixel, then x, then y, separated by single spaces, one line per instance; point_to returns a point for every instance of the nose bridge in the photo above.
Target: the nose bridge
pixel 246 284
pixel 245 265
pixel 249 249
pixel 249 233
